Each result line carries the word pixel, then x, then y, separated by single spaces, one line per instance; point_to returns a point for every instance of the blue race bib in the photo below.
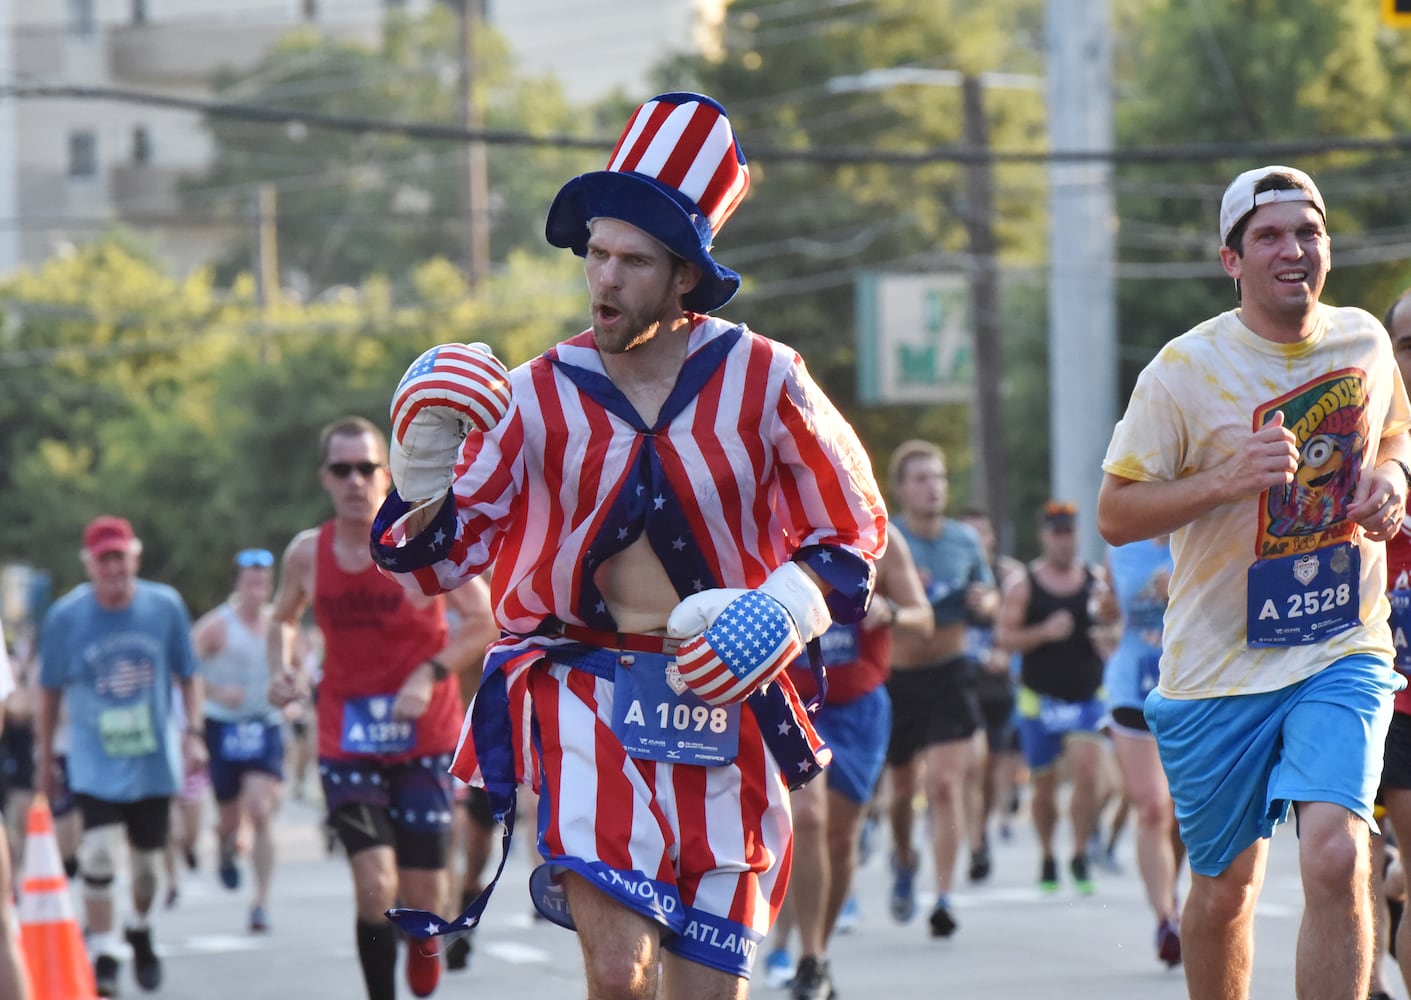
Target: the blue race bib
pixel 841 645
pixel 242 741
pixel 1401 627
pixel 1299 599
pixel 368 727
pixel 1059 716
pixel 657 717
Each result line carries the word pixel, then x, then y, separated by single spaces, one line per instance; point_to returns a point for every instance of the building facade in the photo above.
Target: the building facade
pixel 70 167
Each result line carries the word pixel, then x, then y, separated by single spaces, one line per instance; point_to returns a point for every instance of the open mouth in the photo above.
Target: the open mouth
pixel 606 314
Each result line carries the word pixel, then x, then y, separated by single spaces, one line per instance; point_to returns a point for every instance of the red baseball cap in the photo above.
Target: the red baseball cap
pixel 108 534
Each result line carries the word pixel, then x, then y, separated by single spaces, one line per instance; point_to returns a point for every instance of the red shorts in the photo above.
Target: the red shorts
pixel 704 851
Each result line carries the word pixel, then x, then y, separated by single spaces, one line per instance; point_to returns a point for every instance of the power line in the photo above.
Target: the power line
pixel 1191 152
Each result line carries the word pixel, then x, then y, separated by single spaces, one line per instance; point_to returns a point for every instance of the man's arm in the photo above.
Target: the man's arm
pixel 287 681
pixel 464 651
pixel 49 699
pixel 1014 635
pixel 903 605
pixel 1379 502
pixel 1130 510
pixel 193 742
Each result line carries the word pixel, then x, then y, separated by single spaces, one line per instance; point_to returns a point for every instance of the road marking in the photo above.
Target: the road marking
pixel 212 944
pixel 515 953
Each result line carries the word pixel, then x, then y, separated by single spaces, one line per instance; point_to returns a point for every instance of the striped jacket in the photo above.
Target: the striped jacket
pixel 748 465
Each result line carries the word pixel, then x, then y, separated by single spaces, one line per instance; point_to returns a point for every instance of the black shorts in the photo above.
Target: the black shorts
pixel 147 821
pixel 996 694
pixel 404 805
pixel 1396 764
pixel 477 807
pixel 930 705
pixel 17 758
pixel 1130 719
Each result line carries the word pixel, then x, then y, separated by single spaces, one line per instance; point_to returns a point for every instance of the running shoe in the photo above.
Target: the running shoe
pixel 849 916
pixel 146 966
pixel 1106 859
pixel 259 920
pixel 1048 877
pixel 1082 880
pixel 423 967
pixel 813 981
pixel 228 869
pixel 458 951
pixel 189 852
pixel 778 969
pixel 1168 945
pixel 943 923
pixel 903 899
pixel 105 975
pixel 980 863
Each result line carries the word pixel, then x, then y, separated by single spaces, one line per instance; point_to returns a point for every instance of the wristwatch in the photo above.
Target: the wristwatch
pixel 440 672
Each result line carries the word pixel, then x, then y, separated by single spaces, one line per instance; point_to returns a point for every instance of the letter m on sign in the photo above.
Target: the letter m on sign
pixel 1396 13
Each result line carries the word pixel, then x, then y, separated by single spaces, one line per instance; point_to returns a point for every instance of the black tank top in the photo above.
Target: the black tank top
pixel 1071 669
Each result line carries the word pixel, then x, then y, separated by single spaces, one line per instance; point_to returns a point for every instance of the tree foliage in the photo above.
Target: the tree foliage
pixel 195 413
pixel 186 405
pixel 351 205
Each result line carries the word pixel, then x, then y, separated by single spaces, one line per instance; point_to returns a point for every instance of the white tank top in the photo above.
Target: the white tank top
pixel 244 663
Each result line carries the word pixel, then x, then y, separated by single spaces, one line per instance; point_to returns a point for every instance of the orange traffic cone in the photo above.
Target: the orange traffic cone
pixel 58 963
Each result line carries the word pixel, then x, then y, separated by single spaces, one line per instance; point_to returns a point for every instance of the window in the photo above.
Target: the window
pixel 141 145
pixel 80 17
pixel 83 153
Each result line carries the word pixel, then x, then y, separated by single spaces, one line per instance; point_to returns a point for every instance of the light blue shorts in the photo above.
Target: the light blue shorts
pixel 857 732
pixel 1236 763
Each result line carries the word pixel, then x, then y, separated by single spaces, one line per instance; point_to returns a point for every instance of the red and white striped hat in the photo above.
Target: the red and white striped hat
pixel 677 174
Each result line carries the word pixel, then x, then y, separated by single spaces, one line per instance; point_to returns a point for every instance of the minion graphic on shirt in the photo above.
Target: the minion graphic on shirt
pixel 1303 584
pixel 1329 423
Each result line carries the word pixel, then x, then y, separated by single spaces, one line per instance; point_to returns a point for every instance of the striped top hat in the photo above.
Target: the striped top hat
pixel 677 174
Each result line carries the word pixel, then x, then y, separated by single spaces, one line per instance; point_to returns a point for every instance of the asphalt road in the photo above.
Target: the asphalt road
pixel 1012 942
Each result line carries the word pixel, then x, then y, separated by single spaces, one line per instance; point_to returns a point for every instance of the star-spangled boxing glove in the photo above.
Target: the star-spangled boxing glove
pixel 449 391
pixel 737 641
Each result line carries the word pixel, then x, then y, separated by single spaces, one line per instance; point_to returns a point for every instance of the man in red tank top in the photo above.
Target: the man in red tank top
pixel 1396 765
pixel 389 707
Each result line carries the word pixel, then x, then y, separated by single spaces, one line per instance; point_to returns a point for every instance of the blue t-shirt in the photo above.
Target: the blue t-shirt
pixel 116 670
pixel 948 565
pixel 1132 670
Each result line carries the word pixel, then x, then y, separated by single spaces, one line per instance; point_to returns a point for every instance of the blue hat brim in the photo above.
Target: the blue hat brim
pixel 660 211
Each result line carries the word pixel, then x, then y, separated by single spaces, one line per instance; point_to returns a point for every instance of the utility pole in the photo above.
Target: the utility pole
pixel 266 212
pixel 9 150
pixel 477 184
pixel 987 428
pixel 266 244
pixel 1082 233
pixel 984 307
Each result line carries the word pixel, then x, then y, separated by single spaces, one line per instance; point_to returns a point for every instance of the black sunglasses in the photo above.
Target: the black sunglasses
pixel 345 469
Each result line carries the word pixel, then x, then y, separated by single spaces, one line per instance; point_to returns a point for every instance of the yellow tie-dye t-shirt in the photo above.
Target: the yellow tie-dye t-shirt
pixel 1193 407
